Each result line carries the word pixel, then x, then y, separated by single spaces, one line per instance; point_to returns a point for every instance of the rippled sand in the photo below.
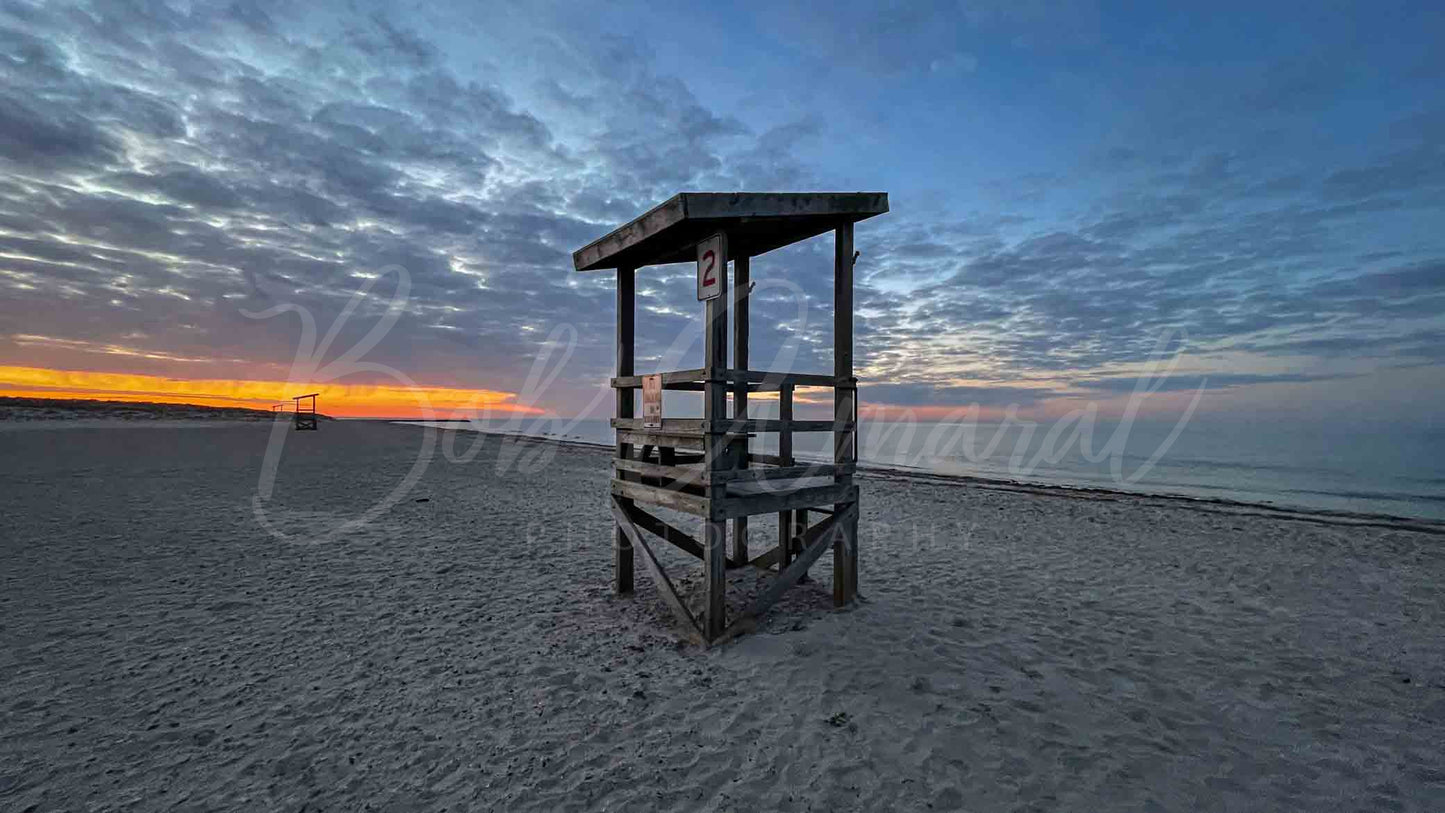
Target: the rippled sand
pixel 1017 649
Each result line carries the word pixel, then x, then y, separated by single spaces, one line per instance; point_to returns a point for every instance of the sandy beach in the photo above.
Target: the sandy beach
pixel 1016 649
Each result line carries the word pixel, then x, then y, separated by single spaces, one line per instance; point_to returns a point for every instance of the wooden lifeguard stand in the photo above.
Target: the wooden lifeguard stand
pixel 305 411
pixel 705 467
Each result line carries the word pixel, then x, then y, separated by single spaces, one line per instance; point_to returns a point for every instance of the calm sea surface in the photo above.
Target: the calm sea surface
pixel 1382 470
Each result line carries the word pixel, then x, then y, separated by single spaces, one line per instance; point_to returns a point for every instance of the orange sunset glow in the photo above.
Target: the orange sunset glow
pixel 336 399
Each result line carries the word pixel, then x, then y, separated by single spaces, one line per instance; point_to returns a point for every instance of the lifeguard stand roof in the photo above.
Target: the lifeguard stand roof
pixel 755 222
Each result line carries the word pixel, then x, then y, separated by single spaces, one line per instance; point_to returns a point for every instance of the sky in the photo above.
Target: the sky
pixel 192 195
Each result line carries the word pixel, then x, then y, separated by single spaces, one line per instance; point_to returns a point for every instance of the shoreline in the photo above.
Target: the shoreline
pixel 1327 516
pixel 1298 513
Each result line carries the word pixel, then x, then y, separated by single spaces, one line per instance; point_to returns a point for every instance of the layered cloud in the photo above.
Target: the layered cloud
pixel 164 171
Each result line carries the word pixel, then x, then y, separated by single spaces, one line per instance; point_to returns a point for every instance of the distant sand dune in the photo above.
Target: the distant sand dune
pixel 73 409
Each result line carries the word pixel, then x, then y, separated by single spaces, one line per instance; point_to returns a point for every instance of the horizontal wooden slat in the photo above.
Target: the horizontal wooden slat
pixel 674 377
pixel 651 438
pixel 770 425
pixel 694 475
pixel 780 473
pixel 757 380
pixel 670 426
pixel 744 506
pixel 684 475
pixel 774 380
pixel 697 427
pixel 676 500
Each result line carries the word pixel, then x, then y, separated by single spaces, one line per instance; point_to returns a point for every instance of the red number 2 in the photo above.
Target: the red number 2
pixel 709 257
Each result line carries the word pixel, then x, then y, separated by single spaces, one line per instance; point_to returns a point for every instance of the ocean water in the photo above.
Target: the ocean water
pixel 1379 469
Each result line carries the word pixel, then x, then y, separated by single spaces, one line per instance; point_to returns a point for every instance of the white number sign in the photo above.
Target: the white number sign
pixel 712 266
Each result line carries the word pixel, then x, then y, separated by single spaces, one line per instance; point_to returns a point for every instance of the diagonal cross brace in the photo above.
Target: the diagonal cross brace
pixel 819 538
pixel 659 576
pixel 664 531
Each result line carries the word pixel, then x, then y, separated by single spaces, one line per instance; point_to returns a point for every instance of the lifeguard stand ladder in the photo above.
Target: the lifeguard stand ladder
pixel 305 411
pixel 704 467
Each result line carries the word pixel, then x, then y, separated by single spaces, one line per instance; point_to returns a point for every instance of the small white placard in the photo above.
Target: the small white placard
pixel 712 266
pixel 652 402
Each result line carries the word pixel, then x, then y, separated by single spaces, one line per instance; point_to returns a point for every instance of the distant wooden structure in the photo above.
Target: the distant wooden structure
pixel 704 467
pixel 306 411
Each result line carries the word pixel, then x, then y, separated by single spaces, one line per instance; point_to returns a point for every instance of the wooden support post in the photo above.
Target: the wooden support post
pixel 622 554
pixel 845 545
pixel 742 273
pixel 785 458
pixel 800 527
pixel 714 394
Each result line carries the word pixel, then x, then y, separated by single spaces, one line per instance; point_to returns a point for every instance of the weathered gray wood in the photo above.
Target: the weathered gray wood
pixel 756 222
pixel 715 349
pixel 758 380
pixel 768 559
pixel 750 504
pixel 722 205
pixel 776 386
pixel 682 427
pixel 717 505
pixel 714 572
pixel 818 539
pixel 622 555
pixel 688 442
pixel 742 285
pixel 785 459
pixel 849 532
pixel 693 427
pixel 667 498
pixel 764 425
pixel 728 446
pixel 695 475
pixel 657 527
pixel 845 549
pixel 785 535
pixel 682 475
pixel 727 483
pixel 800 527
pixel 659 576
pixel 648 225
pixel 813 542
pixel 669 378
pixel 771 381
pixel 778 473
